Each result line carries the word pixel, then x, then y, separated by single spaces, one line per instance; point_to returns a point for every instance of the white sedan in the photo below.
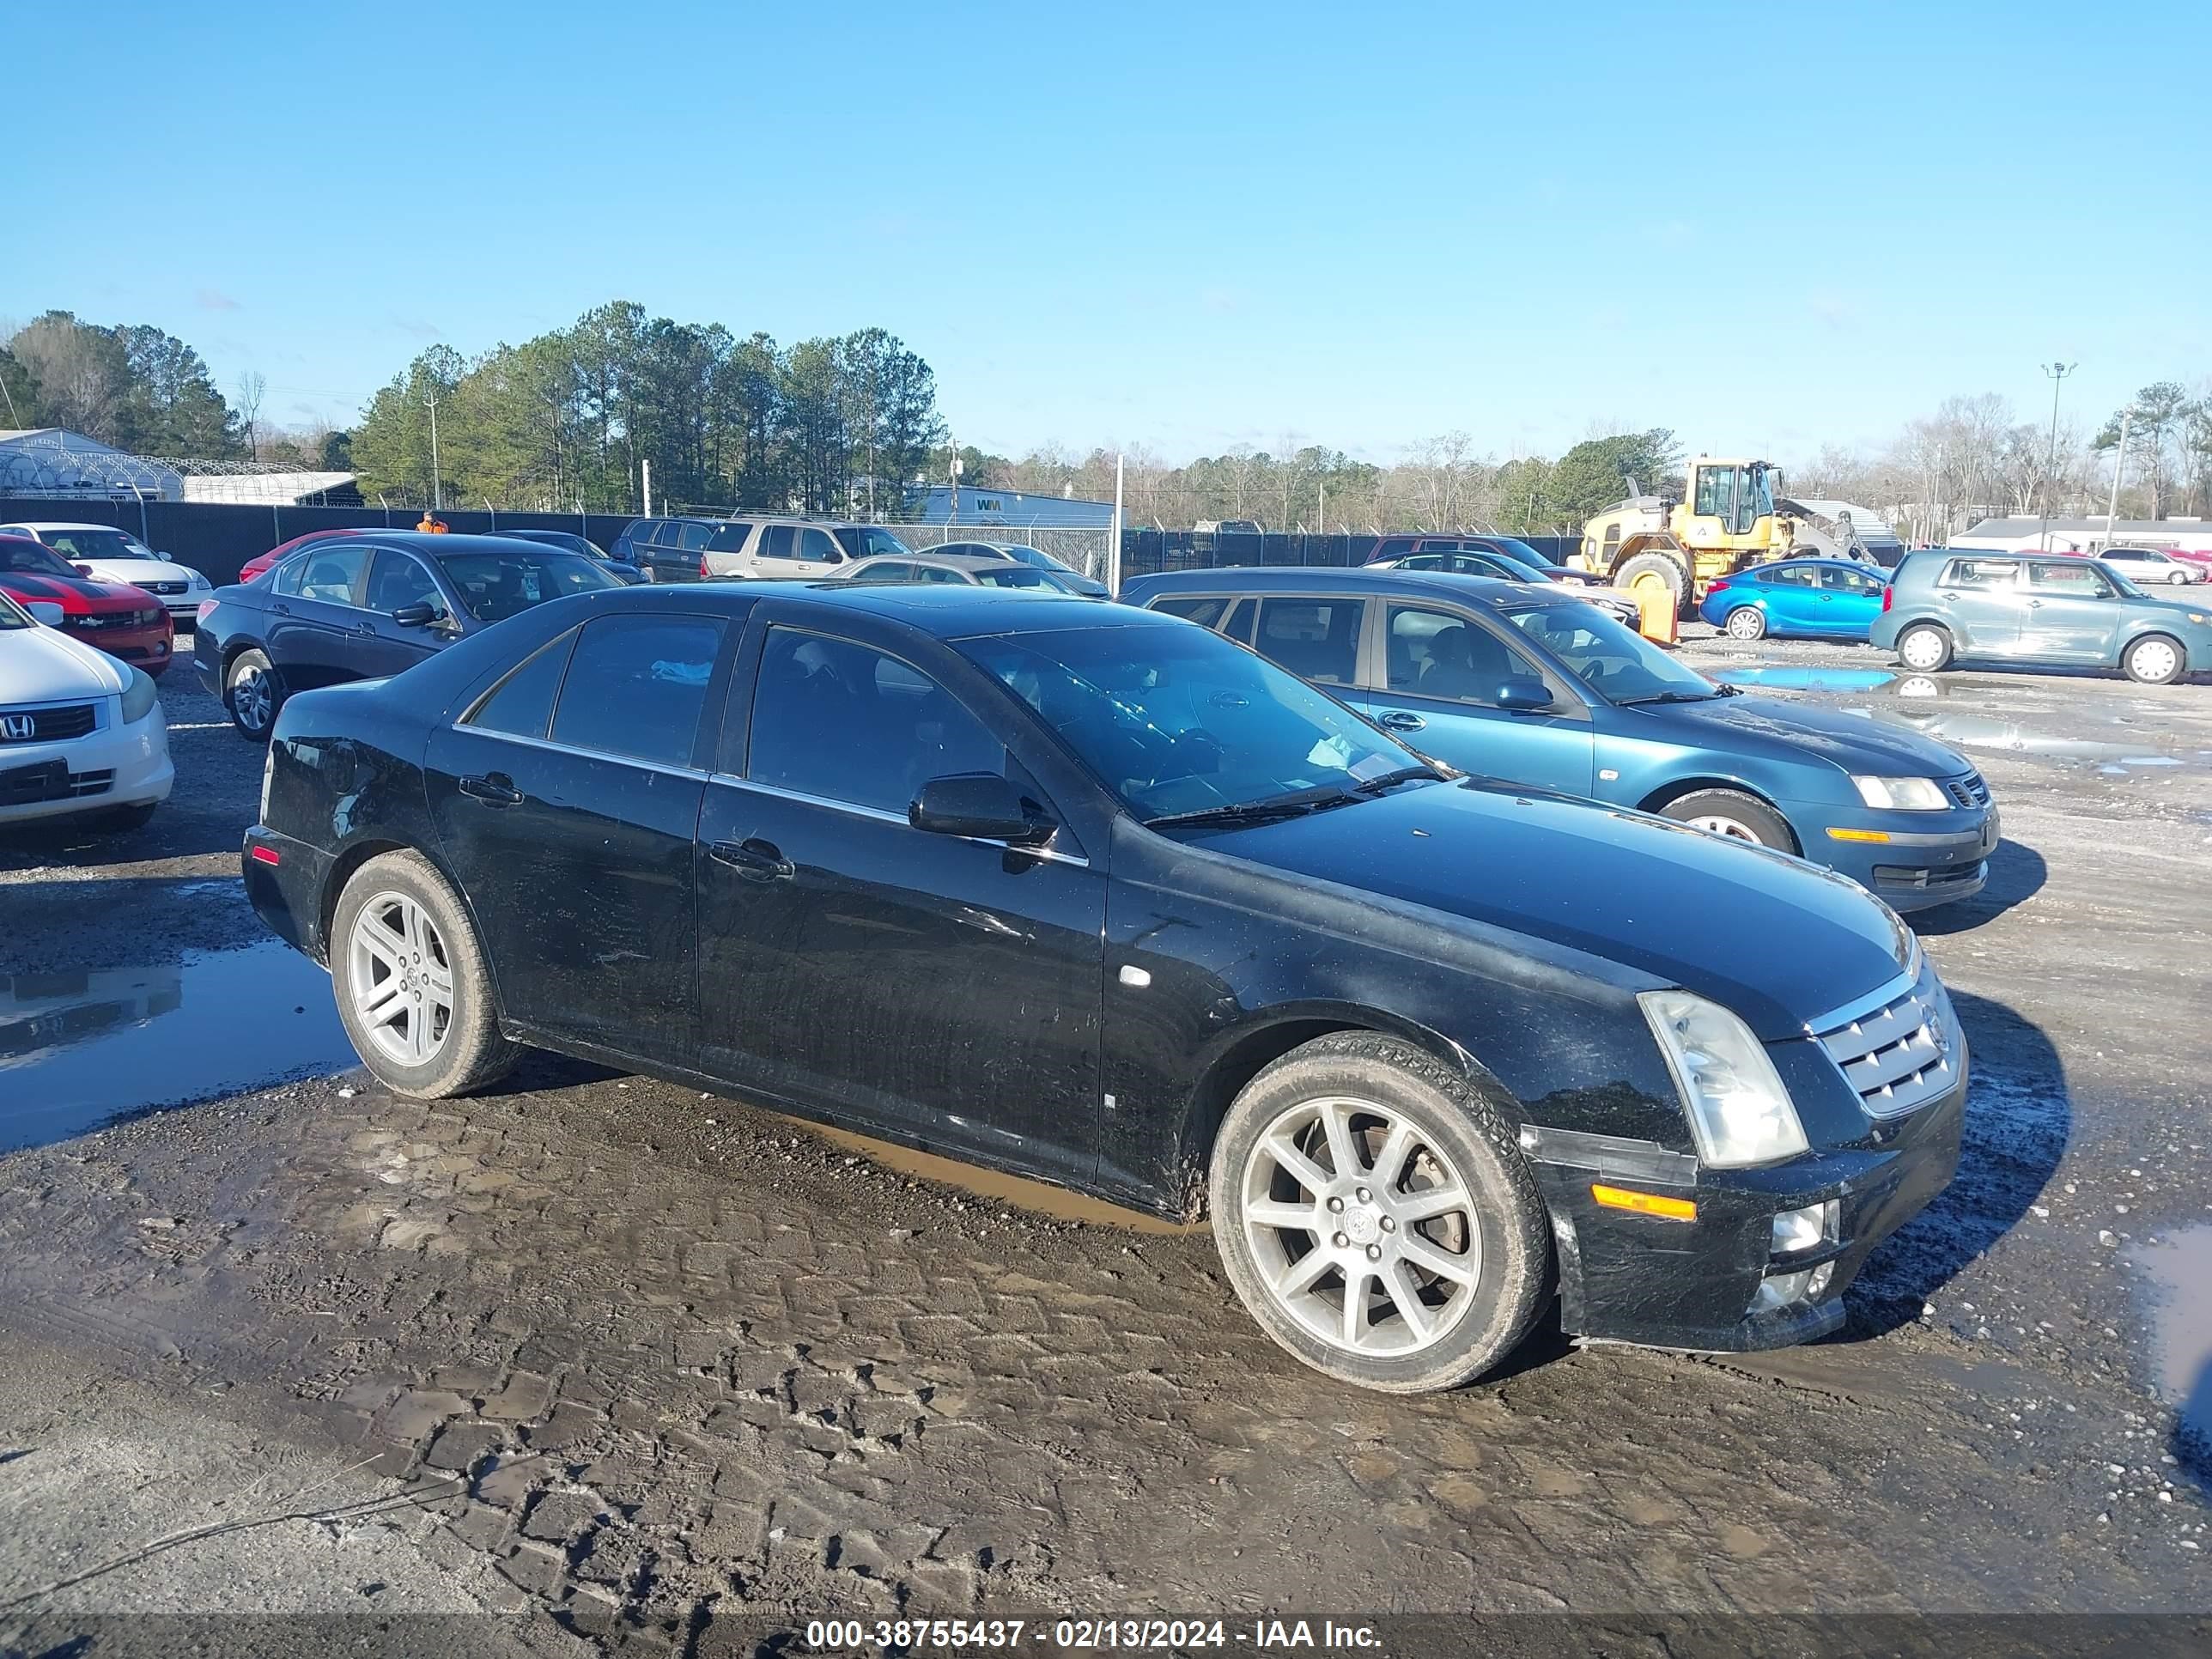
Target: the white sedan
pixel 109 554
pixel 80 732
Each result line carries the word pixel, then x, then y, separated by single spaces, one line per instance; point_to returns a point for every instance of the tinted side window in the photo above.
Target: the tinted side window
pixel 521 705
pixel 1793 575
pixel 666 533
pixel 396 581
pixel 938 572
pixel 1240 621
pixel 728 538
pixel 636 686
pixel 776 541
pixel 332 573
pixel 1979 573
pixel 287 578
pixel 1315 639
pixel 1207 611
pixel 891 571
pixel 695 537
pixel 848 723
pixel 1434 653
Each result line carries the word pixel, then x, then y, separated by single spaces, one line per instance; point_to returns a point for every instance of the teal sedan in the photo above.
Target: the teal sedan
pixel 1797 599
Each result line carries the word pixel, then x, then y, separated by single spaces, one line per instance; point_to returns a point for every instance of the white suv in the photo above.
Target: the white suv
pixel 803 549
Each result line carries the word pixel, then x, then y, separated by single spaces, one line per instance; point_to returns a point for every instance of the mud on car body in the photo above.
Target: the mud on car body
pixel 1425 1049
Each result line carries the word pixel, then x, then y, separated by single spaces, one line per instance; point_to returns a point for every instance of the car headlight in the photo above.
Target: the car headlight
pixel 196 580
pixel 1902 794
pixel 1740 1113
pixel 138 697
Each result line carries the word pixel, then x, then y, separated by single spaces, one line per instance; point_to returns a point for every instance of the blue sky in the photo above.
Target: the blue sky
pixel 1185 226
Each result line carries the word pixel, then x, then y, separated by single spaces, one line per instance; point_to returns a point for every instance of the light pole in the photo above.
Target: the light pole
pixel 2057 372
pixel 2119 465
pixel 437 486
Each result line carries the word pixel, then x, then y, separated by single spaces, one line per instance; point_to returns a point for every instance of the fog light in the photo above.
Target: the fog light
pixel 1817 1286
pixel 1807 1229
pixel 1780 1291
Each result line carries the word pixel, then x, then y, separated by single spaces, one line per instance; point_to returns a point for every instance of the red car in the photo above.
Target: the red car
pixel 262 562
pixel 123 620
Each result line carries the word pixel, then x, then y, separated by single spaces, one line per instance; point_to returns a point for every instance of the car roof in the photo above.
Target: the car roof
pixel 1816 559
pixel 63 524
pixel 920 555
pixel 1350 578
pixel 948 610
pixel 432 542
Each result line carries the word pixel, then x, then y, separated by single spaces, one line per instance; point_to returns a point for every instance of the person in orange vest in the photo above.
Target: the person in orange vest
pixel 432 526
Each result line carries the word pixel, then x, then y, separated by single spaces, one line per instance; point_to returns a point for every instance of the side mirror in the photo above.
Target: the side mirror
pixel 83 569
pixel 45 611
pixel 1522 695
pixel 980 804
pixel 414 615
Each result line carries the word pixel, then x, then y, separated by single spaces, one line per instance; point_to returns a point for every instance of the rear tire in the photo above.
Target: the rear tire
pixel 2154 659
pixel 1642 569
pixel 1438 1229
pixel 1745 622
pixel 410 982
pixel 1734 816
pixel 254 693
pixel 1925 648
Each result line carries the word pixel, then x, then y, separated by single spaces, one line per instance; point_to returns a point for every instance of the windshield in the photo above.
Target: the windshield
pixel 866 543
pixel 2120 580
pixel 1017 576
pixel 94 545
pixel 13 615
pixel 1619 666
pixel 1035 555
pixel 1514 547
pixel 1178 720
pixel 494 585
pixel 21 553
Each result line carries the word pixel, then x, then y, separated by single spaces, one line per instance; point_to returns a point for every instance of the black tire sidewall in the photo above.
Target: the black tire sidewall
pixel 473 1050
pixel 259 662
pixel 1511 1219
pixel 2128 657
pixel 1753 812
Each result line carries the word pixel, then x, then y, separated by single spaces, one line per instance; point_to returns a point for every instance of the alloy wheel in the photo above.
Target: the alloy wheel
pixel 1745 622
pixel 401 979
pixel 1719 823
pixel 250 697
pixel 1362 1230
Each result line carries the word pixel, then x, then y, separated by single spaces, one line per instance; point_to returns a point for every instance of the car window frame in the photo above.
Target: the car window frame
pixel 445 600
pixel 369 551
pixel 1570 699
pixel 2018 567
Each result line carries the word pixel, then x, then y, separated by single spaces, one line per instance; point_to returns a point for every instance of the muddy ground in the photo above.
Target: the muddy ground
pixel 630 1365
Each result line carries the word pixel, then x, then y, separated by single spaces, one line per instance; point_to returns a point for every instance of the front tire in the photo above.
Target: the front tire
pixel 1924 649
pixel 1642 570
pixel 1374 1215
pixel 2154 659
pixel 253 693
pixel 1734 816
pixel 410 982
pixel 1745 622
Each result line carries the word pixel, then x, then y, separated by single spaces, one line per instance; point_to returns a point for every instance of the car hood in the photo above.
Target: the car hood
pixel 75 593
pixel 43 664
pixel 131 572
pixel 1776 939
pixel 2154 605
pixel 1853 743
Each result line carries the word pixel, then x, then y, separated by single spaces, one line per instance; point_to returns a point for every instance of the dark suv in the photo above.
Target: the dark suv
pixel 665 550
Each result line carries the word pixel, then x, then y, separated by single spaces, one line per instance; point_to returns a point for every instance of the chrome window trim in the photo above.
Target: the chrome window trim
pixel 855 809
pixel 585 754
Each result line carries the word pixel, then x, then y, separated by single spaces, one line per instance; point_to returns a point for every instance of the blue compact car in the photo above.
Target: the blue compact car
pixel 1797 598
pixel 1545 690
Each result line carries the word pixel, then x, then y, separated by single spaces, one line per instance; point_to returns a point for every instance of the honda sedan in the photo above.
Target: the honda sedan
pixel 1091 895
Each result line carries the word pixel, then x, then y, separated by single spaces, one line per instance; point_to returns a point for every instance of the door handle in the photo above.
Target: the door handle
pixel 493 789
pixel 367 628
pixel 2035 604
pixel 281 610
pixel 755 859
pixel 1398 720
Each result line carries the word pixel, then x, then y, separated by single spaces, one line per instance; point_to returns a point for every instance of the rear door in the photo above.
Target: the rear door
pixel 1435 681
pixel 1792 592
pixel 2072 612
pixel 566 801
pixel 314 634
pixel 1980 601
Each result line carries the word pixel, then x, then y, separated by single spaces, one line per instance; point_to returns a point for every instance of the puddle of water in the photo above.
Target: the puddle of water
pixel 78 1050
pixel 1805 679
pixel 2179 1271
pixel 1964 731
pixel 1033 1195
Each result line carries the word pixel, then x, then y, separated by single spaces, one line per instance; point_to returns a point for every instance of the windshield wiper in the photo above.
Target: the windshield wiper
pixel 1297 804
pixel 1404 775
pixel 1667 697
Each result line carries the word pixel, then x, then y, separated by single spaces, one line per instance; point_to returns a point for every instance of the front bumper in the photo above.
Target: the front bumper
pixel 148 648
pixel 1924 859
pixel 108 767
pixel 1628 1277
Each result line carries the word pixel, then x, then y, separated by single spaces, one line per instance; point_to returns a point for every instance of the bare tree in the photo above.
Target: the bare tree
pixel 252 387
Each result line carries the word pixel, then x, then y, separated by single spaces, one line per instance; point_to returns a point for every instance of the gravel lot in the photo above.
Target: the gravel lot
pixel 604 1360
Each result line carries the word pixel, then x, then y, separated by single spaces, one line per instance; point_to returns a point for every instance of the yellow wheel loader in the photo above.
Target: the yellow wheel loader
pixel 1730 519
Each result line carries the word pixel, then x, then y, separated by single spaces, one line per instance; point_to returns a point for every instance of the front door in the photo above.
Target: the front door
pixel 1441 674
pixel 944 989
pixel 2072 612
pixel 570 824
pixel 382 646
pixel 1851 598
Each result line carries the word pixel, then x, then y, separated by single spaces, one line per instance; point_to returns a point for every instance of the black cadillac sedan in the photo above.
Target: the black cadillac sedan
pixel 368 606
pixel 1098 897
